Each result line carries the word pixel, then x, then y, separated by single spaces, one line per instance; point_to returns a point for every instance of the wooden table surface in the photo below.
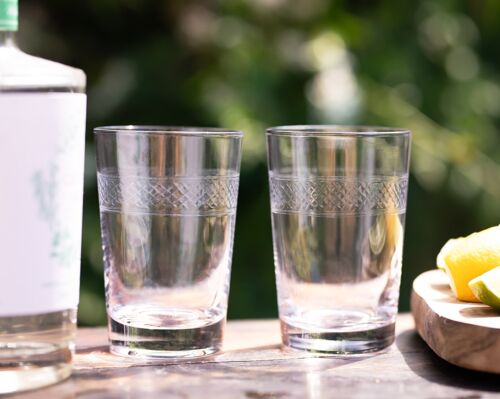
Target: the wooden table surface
pixel 253 365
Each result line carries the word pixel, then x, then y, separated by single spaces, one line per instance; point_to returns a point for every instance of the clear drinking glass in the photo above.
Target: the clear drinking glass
pixel 168 204
pixel 338 199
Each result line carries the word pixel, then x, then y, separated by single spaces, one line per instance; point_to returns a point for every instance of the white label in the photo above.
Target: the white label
pixel 42 140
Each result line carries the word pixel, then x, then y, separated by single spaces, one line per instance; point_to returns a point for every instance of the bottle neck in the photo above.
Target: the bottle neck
pixel 8 39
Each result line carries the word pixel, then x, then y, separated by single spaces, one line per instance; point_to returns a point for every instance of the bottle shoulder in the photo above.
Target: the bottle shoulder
pixel 21 71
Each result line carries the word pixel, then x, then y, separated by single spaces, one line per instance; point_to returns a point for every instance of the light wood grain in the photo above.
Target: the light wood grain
pixel 253 365
pixel 465 334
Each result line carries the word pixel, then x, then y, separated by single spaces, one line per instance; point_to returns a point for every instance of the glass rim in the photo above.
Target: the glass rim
pixel 335 131
pixel 169 130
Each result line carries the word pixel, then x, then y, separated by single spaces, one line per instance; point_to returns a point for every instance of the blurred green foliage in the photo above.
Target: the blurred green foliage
pixel 432 67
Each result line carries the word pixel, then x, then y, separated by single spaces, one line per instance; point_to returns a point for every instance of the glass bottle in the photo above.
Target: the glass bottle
pixel 42 140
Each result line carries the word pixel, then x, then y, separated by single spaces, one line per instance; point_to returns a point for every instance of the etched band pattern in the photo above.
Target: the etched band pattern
pixel 168 195
pixel 338 195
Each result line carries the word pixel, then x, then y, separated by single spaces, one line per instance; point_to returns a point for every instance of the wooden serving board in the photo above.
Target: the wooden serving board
pixel 462 333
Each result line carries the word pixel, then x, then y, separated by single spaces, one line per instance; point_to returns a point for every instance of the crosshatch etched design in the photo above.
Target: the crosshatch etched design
pixel 338 195
pixel 168 195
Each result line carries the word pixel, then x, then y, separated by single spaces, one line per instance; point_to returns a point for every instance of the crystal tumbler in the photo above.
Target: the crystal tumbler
pixel 167 200
pixel 338 200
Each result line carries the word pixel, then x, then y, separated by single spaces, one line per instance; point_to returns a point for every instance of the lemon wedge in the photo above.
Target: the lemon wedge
pixel 467 258
pixel 486 288
pixel 441 264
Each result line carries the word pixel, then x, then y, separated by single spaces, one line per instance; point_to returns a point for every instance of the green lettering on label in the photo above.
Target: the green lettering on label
pixel 8 15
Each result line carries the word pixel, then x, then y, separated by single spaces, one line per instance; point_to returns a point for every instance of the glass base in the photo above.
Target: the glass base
pixel 28 366
pixel 338 342
pixel 36 350
pixel 150 343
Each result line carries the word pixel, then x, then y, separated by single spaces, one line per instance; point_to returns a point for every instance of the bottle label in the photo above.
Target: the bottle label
pixel 8 15
pixel 42 141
